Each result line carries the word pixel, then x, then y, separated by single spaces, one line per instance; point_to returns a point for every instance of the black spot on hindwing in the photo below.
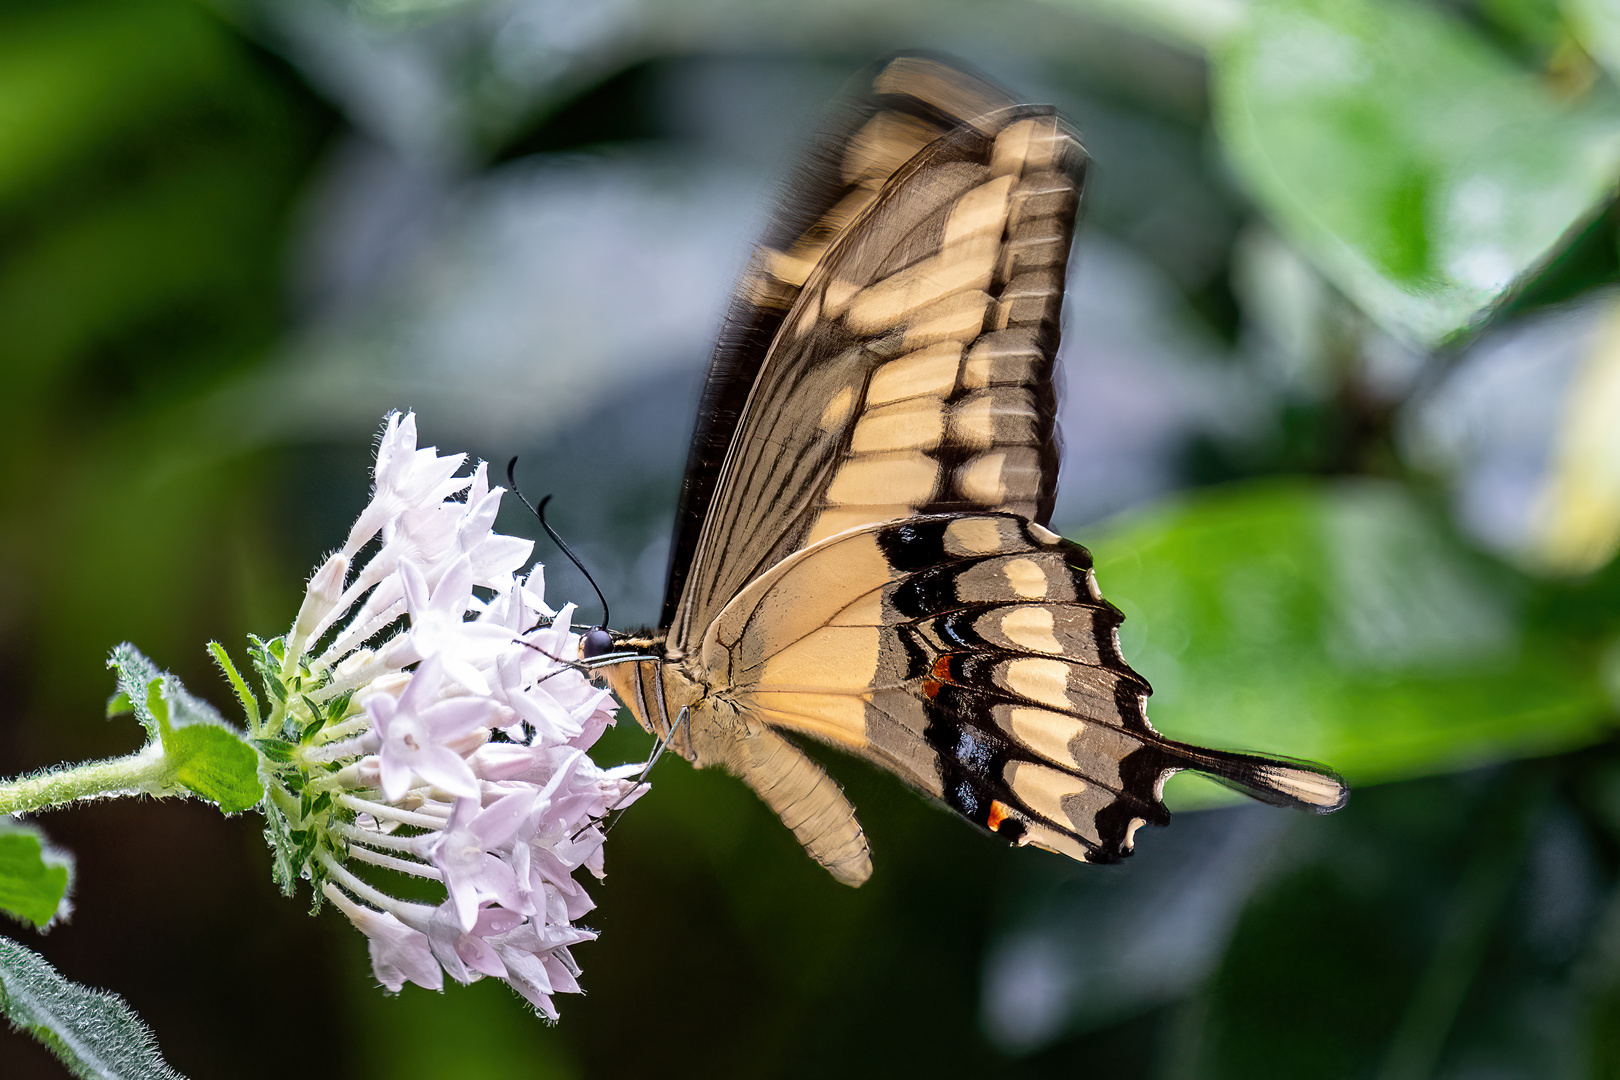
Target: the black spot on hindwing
pixel 925 593
pixel 914 545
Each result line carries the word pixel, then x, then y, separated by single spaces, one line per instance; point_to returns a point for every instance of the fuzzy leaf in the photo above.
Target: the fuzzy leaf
pixel 92 1032
pixel 33 876
pixel 208 756
pixel 215 763
pixel 136 674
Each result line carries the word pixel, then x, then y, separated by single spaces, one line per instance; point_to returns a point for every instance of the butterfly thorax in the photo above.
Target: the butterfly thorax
pixel 657 689
pixel 721 729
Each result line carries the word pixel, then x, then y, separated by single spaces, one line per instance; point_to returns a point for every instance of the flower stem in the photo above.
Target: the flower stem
pixel 143 773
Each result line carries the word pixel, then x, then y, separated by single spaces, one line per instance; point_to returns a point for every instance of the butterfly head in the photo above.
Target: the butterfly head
pixel 595 642
pixel 600 647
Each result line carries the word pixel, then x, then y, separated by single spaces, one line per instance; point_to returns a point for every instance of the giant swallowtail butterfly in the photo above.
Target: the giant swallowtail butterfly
pixel 861 554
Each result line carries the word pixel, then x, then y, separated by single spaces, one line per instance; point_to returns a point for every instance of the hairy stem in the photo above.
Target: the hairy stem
pixel 143 773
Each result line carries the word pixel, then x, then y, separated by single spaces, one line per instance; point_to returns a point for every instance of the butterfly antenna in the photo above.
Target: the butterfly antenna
pixel 540 512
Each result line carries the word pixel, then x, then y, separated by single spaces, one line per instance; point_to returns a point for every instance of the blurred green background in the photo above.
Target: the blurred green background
pixel 1342 425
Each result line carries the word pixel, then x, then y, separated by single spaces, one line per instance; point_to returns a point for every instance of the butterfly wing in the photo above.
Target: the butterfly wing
pixel 973 656
pixel 911 372
pixel 861 554
pixel 887 116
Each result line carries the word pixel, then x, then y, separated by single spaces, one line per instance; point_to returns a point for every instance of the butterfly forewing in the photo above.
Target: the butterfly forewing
pixel 889 114
pixel 926 336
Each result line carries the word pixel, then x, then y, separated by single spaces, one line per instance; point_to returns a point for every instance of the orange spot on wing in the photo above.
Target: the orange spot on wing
pixel 999 812
pixel 938 676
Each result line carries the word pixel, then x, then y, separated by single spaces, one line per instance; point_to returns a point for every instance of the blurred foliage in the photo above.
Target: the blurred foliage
pixel 1354 611
pixel 1422 170
pixel 1338 281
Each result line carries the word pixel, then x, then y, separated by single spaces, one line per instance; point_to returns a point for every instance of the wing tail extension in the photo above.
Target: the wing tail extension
pixel 1298 785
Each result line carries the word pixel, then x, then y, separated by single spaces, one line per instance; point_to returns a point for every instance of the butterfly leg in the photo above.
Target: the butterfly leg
pixel 658 752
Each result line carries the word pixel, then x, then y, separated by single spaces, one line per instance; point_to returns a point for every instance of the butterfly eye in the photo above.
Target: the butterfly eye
pixel 595 643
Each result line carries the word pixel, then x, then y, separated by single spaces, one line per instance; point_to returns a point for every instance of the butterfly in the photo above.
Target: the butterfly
pixel 861 553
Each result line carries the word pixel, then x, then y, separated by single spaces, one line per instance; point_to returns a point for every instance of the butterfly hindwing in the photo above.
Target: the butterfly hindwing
pixel 968 655
pixel 973 656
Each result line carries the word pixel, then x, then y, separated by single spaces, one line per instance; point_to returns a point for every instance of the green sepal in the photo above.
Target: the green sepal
pixel 277 750
pixel 318 715
pixel 283 868
pixel 266 659
pixel 250 703
pixel 303 847
pixel 338 707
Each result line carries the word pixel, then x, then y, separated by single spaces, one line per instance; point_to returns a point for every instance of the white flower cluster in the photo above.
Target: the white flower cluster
pixel 453 749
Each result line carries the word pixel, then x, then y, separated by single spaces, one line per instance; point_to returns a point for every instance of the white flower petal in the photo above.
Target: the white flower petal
pixel 505 825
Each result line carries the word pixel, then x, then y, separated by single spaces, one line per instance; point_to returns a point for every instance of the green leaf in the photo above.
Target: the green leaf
pixel 1596 24
pixel 215 763
pixel 211 758
pixel 33 876
pixel 92 1032
pixel 136 678
pixel 1344 624
pixel 1418 168
pixel 157 706
pixel 208 757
